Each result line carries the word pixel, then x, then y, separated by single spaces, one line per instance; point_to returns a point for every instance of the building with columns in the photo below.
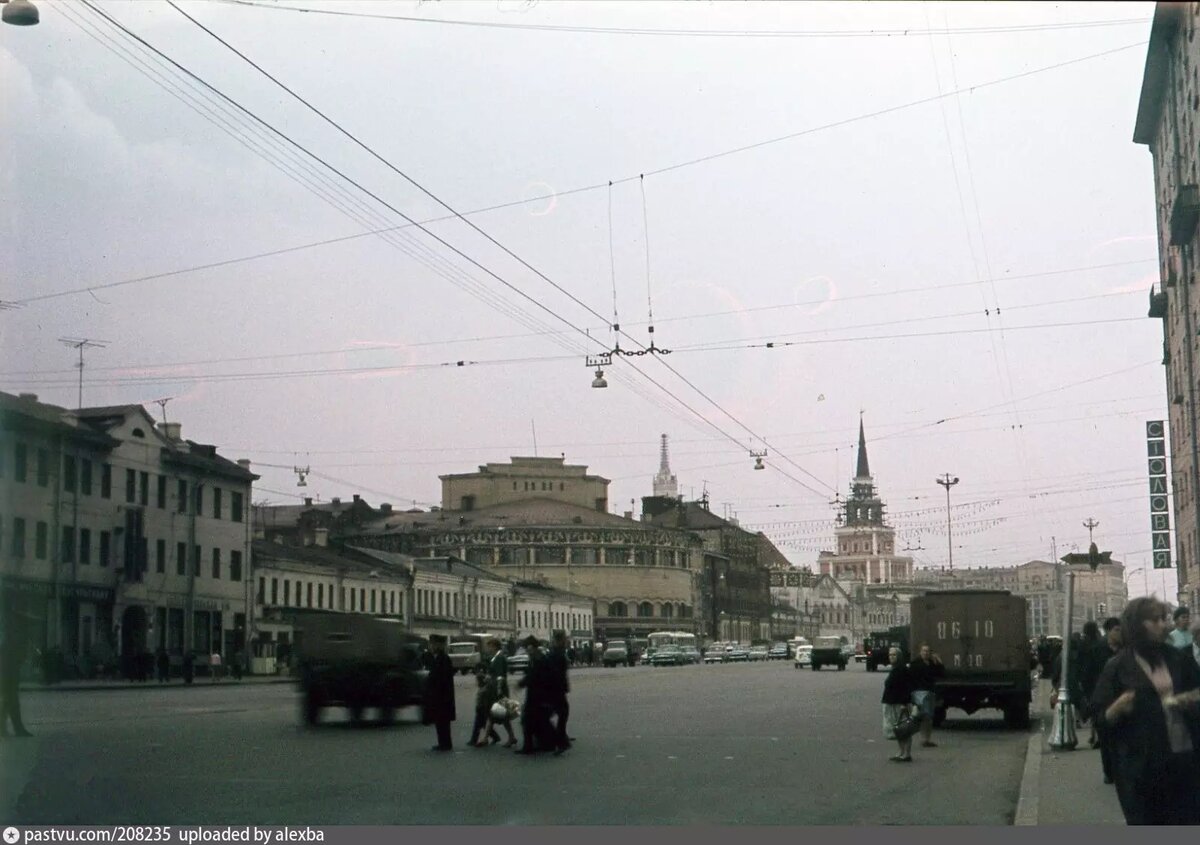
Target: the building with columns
pixel 866 544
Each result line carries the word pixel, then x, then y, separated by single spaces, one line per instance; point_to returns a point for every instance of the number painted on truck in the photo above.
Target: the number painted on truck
pixel 941 630
pixel 969 661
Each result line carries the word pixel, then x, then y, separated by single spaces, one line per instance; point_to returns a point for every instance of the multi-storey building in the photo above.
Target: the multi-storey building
pixel 866 544
pixel 121 537
pixel 524 478
pixel 1168 122
pixel 541 610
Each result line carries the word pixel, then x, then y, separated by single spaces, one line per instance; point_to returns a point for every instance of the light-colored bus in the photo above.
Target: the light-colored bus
pixel 662 638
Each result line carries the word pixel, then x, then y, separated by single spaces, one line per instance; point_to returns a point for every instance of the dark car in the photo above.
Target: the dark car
pixel 737 654
pixel 779 651
pixel 668 655
pixel 617 654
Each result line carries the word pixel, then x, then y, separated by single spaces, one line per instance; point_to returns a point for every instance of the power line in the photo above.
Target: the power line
pixel 701 33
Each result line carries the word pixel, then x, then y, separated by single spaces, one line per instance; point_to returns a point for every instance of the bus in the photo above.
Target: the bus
pixel 662 638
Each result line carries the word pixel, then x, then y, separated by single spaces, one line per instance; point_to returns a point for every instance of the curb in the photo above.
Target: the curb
pixel 149 685
pixel 1031 782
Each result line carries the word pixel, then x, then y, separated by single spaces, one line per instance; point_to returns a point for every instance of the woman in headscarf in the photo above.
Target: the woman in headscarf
pixel 1148 701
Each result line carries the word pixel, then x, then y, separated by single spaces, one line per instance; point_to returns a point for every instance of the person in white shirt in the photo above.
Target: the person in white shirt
pixel 1180 637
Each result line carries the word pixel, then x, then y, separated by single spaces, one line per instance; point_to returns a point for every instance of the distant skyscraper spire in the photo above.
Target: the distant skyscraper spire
pixel 665 484
pixel 864 470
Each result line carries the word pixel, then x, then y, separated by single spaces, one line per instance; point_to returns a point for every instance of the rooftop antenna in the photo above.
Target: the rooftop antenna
pixel 162 404
pixel 82 343
pixel 533 426
pixel 302 472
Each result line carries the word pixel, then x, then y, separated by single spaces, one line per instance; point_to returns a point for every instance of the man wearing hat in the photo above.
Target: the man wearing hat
pixel 439 693
pixel 535 716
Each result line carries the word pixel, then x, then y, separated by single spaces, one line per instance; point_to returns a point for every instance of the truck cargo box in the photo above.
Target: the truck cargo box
pixel 981 638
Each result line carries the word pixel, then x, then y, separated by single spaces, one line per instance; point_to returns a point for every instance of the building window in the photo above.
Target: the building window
pixel 69 473
pixel 216 503
pixel 43 467
pixel 235 566
pixel 196 561
pixel 68 544
pixel 181 495
pixel 160 556
pixel 85 545
pixel 20 462
pixel 645 609
pixel 320 595
pixel 85 476
pixel 262 590
pixel 40 541
pixel 308 594
pixel 180 558
pixel 216 563
pixel 362 599
pixel 235 506
pixel 372 601
pixel 144 488
pixel 106 481
pixel 161 498
pixel 198 500
pixel 287 592
pixel 130 486
pixel 353 600
pixel 18 537
pixel 105 548
pixel 617 609
pixel 274 591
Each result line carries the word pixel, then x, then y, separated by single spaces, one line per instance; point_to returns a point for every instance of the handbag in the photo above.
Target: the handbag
pixel 906 726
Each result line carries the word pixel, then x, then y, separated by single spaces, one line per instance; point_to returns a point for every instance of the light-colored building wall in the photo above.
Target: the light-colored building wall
pixel 524 478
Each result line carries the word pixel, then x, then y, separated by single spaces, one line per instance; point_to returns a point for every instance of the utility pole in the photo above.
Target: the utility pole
pixel 1090 525
pixel 948 481
pixel 82 343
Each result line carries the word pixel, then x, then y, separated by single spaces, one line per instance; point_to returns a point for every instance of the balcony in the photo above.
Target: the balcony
pixel 1158 304
pixel 1185 212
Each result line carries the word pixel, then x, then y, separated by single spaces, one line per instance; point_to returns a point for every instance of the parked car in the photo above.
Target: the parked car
pixel 737 654
pixel 464 656
pixel 803 656
pixel 617 654
pixel 668 655
pixel 518 662
pixel 758 652
pixel 691 653
pixel 715 654
pixel 779 651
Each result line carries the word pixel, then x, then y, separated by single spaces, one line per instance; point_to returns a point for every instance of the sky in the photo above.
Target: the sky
pixel 935 213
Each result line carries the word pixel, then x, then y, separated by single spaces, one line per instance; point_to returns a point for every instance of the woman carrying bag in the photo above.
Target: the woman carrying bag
pixel 898 723
pixel 502 709
pixel 1148 702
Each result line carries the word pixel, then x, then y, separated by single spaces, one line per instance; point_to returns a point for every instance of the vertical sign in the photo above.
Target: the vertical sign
pixel 1160 517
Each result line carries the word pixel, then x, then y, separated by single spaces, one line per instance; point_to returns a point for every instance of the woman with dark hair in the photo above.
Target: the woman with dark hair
pixel 896 699
pixel 1148 703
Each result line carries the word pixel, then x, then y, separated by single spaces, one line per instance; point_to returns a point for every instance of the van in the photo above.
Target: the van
pixel 464 656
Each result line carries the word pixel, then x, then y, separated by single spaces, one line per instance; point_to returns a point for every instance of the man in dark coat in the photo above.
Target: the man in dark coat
pixel 439 693
pixel 1111 646
pixel 557 687
pixel 12 655
pixel 535 716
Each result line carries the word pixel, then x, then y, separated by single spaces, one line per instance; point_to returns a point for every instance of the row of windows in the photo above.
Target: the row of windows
pixel 448 603
pixel 79 544
pixel 530 619
pixel 646 609
pixel 319 595
pixel 77 473
pixel 561 555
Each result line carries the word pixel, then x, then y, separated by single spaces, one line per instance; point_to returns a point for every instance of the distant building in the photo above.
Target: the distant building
pixel 524 478
pixel 1168 122
pixel 118 537
pixel 866 544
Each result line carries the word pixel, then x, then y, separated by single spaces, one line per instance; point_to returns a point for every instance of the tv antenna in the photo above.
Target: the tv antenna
pixel 162 404
pixel 82 343
pixel 302 472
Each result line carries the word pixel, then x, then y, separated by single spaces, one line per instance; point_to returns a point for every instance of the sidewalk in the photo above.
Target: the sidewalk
pixel 1063 787
pixel 200 681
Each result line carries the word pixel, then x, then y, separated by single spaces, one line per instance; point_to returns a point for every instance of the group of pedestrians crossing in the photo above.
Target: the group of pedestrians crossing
pixel 543 715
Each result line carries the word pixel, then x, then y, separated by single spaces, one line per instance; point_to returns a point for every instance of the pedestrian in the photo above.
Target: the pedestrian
pixel 1148 698
pixel 897 697
pixel 1196 643
pixel 557 687
pixel 236 666
pixel 214 666
pixel 922 676
pixel 1181 637
pixel 189 666
pixel 162 665
pixel 535 718
pixel 439 693
pixel 1093 654
pixel 497 667
pixel 1112 645
pixel 12 655
pixel 485 697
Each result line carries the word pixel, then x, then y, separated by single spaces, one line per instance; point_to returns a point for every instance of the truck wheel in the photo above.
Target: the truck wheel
pixel 387 714
pixel 356 714
pixel 1017 715
pixel 939 716
pixel 312 708
pixel 816 667
pixel 841 667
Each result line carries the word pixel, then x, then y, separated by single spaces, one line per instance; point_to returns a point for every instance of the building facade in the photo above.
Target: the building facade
pixel 1168 123
pixel 524 478
pixel 120 537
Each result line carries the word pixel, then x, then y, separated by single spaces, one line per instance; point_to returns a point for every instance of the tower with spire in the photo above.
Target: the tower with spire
pixel 666 485
pixel 866 544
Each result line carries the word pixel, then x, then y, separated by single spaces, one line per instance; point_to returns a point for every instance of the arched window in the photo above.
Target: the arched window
pixel 668 611
pixel 645 609
pixel 617 608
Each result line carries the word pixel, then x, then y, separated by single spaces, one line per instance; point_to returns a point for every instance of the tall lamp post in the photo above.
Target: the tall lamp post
pixel 1062 732
pixel 19 13
pixel 948 481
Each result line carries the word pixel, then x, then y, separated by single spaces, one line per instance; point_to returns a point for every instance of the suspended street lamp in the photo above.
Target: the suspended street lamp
pixel 19 13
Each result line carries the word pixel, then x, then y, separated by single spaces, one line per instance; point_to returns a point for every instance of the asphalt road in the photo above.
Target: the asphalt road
pixel 758 743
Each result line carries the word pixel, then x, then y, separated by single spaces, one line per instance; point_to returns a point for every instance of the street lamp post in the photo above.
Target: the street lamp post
pixel 948 481
pixel 1062 732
